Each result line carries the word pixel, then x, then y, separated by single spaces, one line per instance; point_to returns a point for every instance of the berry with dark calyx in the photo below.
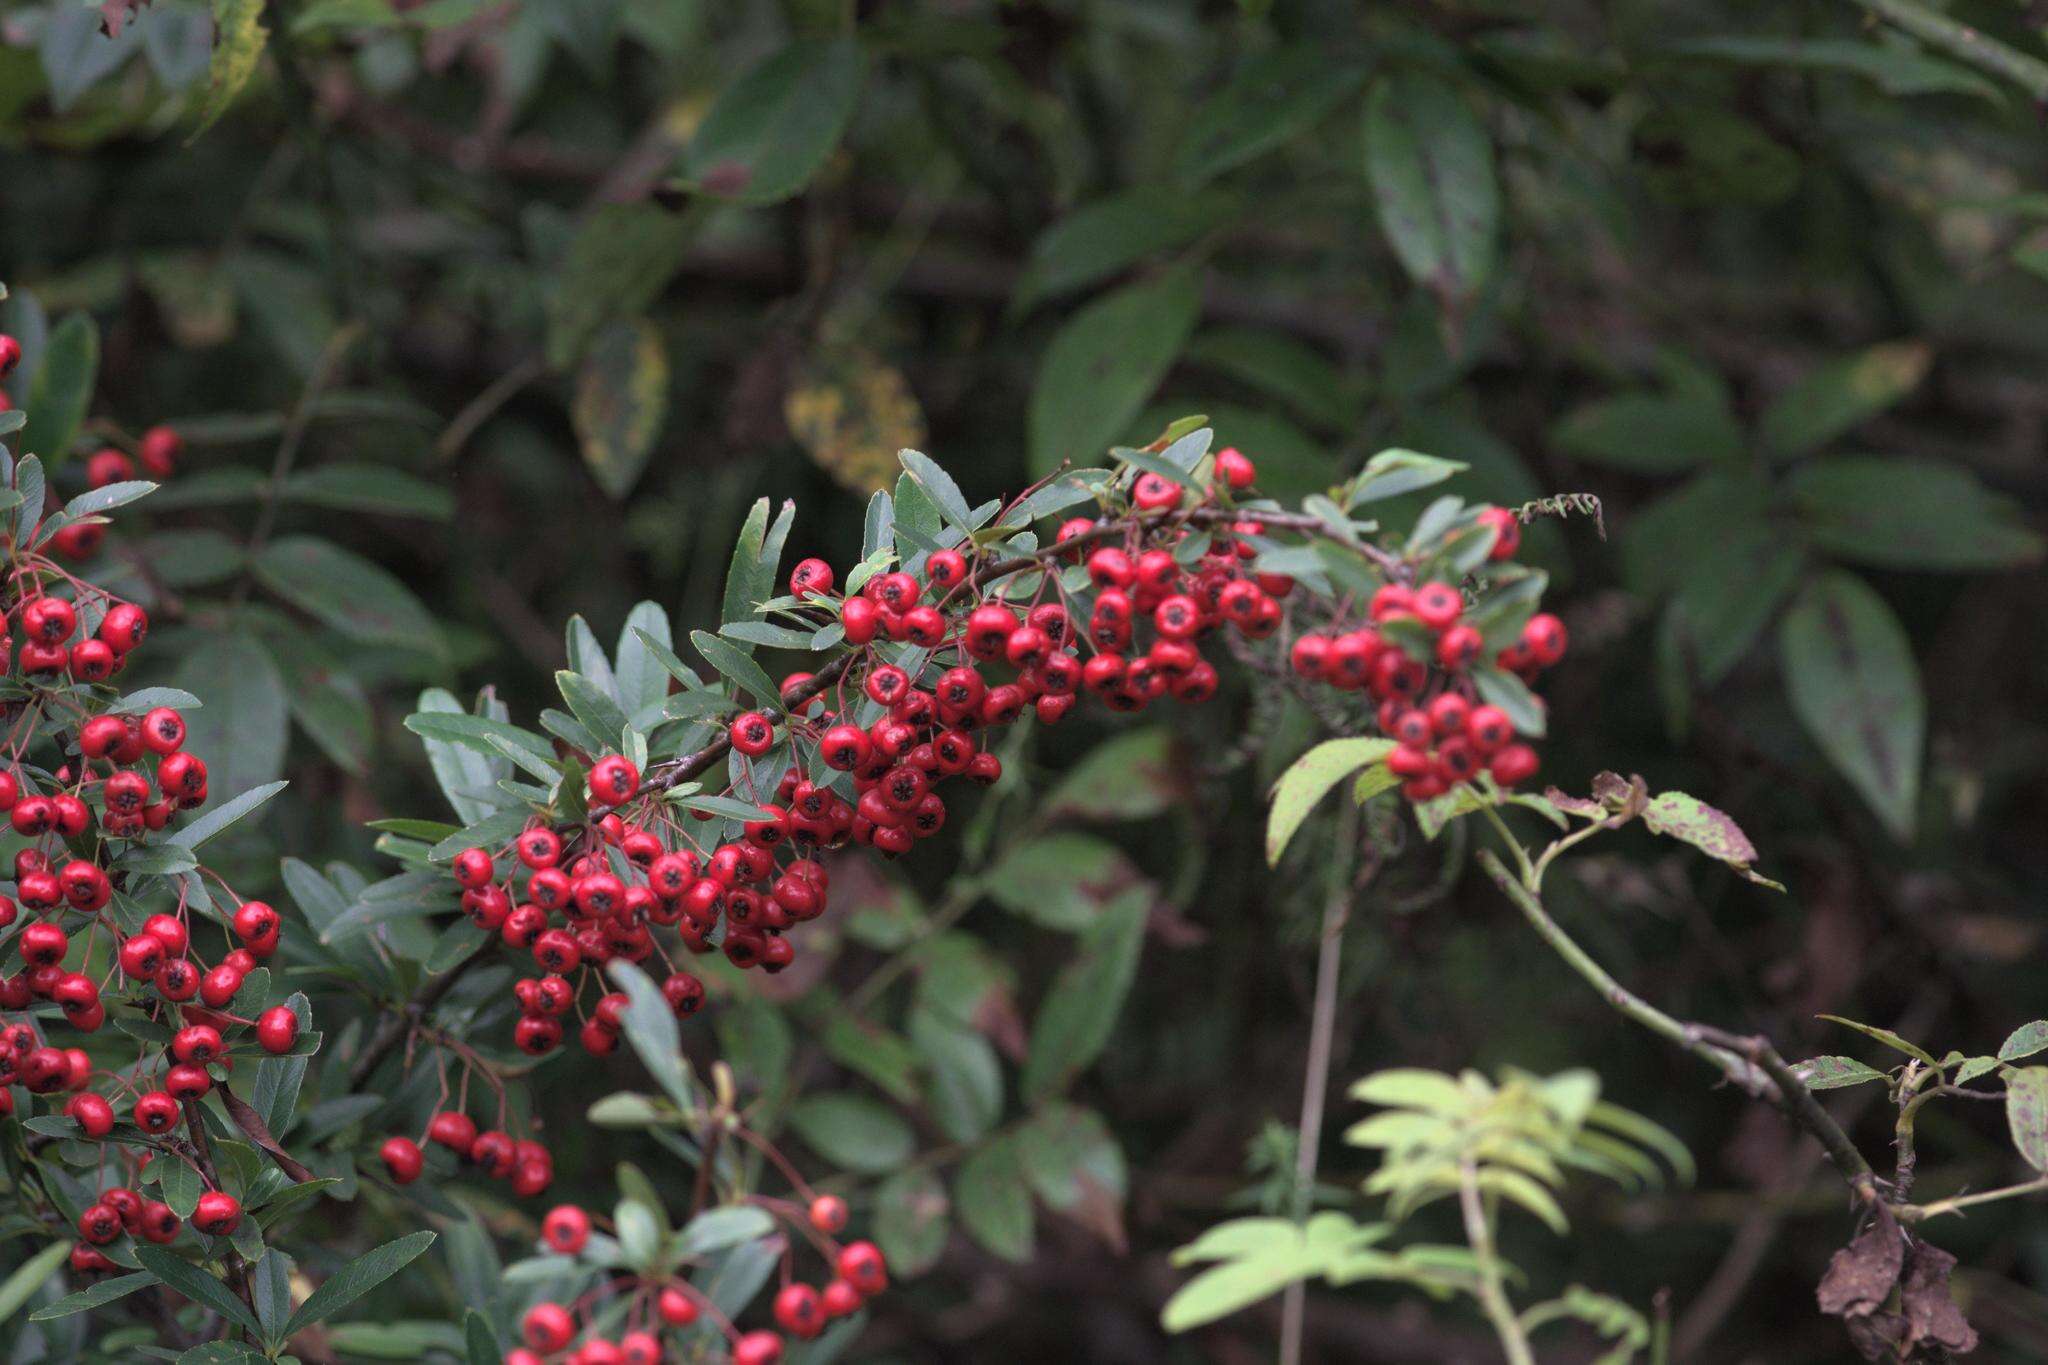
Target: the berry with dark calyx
pixel 495 1152
pixel 218 1213
pixel 547 1327
pixel 160 1222
pixel 640 1348
pixel 10 354
pixel 1437 605
pixel 156 1112
pixel 218 986
pixel 187 1081
pixel 1458 647
pixel 752 734
pixel 860 619
pixel 402 1159
pixel 861 1265
pixel 799 1312
pixel 196 1043
pixel 828 1214
pixel 1544 638
pixel 123 628
pixel 277 1030
pixel 473 868
pixel 142 955
pixel 99 1224
pixel 810 576
pixel 566 1229
pixel 1514 765
pixel 946 568
pixel 1489 728
pixel 614 780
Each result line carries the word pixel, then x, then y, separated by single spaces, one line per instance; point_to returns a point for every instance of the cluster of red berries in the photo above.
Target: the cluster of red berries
pixel 157 452
pixel 1413 657
pixel 801 1310
pixel 525 1162
pixel 119 1210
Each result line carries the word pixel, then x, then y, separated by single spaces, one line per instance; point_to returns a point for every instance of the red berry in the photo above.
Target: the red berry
pixel 1514 765
pixel 160 1223
pixel 99 1224
pixel 840 1299
pixel 156 1112
pixel 277 1029
pixel 946 568
pixel 1437 605
pixel 566 1228
pixel 196 1043
pixel 473 868
pixel 218 1213
pixel 1544 638
pixel 94 1116
pixel 757 1348
pixel 403 1159
pixel 123 628
pixel 1489 728
pixel 454 1130
pixel 752 734
pixel 10 354
pixel 828 1214
pixel 547 1327
pixel 614 780
pixel 1507 531
pixel 862 1266
pixel 810 576
pixel 1235 468
pixel 677 1309
pixel 159 450
pixel 798 1311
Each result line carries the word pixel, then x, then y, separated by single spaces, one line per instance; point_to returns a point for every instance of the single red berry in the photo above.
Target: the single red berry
pixel 677 1309
pixel 277 1029
pixel 1235 468
pixel 862 1266
pixel 99 1224
pixel 1544 639
pixel 752 734
pixel 1458 646
pixel 828 1214
pixel 1507 531
pixel 454 1130
pixel 757 1348
pixel 860 618
pixel 196 1043
pixel 547 1327
pixel 10 354
pixel 94 1116
pixel 810 576
pixel 798 1311
pixel 840 1299
pixel 1514 765
pixel 1154 491
pixel 1489 728
pixel 159 450
pixel 640 1348
pixel 123 628
pixel 614 780
pixel 403 1159
pixel 473 868
pixel 156 1112
pixel 218 986
pixel 217 1214
pixel 946 568
pixel 566 1229
pixel 1437 605
pixel 160 1223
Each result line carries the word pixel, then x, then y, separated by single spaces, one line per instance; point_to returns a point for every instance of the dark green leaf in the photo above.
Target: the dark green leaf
pixel 772 129
pixel 1103 365
pixel 1431 166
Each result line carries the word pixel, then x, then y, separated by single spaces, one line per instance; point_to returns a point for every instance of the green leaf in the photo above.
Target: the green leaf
pixel 241 728
pixel 620 260
pixel 1498 687
pixel 1883 1035
pixel 31 1275
pixel 1852 680
pixel 374 488
pixel 1843 393
pixel 358 1278
pixel 1648 433
pixel 744 673
pixel 910 1220
pixel 220 817
pixel 853 1132
pixel 1711 831
pixel 2024 1041
pixel 1104 363
pixel 271 1287
pixel 1129 777
pixel 939 486
pixel 964 1091
pixel 1902 513
pixel 345 591
pixel 1308 779
pixel 60 395
pixel 95 501
pixel 1063 880
pixel 641 676
pixel 2026 1113
pixel 593 706
pixel 1896 68
pixel 1832 1073
pixel 994 1201
pixel 239 38
pixel 1430 164
pixel 92 1296
pixel 1074 1164
pixel 196 1285
pixel 1099 239
pixel 1079 1013
pixel 1272 99
pixel 1391 473
pixel 461 773
pixel 772 129
pixel 621 402
pixel 717 1229
pixel 746 585
pixel 650 1026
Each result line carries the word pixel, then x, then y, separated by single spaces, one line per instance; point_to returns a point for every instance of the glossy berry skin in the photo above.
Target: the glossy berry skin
pixel 840 1299
pixel 156 1112
pixel 809 576
pixel 123 628
pixel 640 1348
pixel 159 450
pixel 946 568
pixel 402 1158
pixel 614 780
pixel 277 1029
pixel 1235 469
pixel 99 1224
pixel 828 1214
pixel 10 354
pixel 196 1043
pixel 799 1312
pixel 473 869
pixel 160 1223
pixel 676 1308
pixel 454 1130
pixel 94 1116
pixel 218 1213
pixel 1507 531
pixel 757 1348
pixel 861 1265
pixel 752 734
pixel 566 1229
pixel 547 1327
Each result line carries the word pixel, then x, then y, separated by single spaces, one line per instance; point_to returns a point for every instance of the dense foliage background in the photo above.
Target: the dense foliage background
pixel 507 300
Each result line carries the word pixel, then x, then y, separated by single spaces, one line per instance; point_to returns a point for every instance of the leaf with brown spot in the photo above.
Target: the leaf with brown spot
pixel 1711 831
pixel 2026 1113
pixel 1860 1276
pixel 852 411
pixel 1933 1319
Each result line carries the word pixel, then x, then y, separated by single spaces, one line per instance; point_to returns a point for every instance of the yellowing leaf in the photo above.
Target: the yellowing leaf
pixel 620 404
pixel 238 41
pixel 852 412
